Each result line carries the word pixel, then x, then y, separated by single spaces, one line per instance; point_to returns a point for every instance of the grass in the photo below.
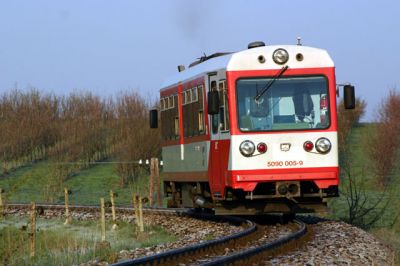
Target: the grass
pixel 27 183
pixel 31 183
pixel 76 243
pixel 89 185
pixel 386 231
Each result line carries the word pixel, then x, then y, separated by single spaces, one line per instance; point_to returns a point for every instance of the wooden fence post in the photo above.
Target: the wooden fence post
pixel 141 227
pixel 151 182
pixel 136 207
pixel 103 220
pixel 67 215
pixel 32 234
pixel 158 181
pixel 114 216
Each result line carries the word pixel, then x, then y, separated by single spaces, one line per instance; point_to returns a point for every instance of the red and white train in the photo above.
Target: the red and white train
pixel 253 131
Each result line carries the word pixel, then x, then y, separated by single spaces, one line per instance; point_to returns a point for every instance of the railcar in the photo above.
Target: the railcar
pixel 253 131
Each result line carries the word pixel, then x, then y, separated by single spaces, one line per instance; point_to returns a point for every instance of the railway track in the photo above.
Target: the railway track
pixel 252 253
pixel 245 247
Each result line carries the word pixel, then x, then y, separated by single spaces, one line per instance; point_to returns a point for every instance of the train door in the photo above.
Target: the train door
pixel 213 176
pixel 219 132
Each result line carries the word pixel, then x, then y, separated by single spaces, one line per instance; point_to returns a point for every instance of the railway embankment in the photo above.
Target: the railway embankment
pixel 326 243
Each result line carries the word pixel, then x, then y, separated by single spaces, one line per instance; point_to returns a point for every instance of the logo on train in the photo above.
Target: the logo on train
pixel 285 146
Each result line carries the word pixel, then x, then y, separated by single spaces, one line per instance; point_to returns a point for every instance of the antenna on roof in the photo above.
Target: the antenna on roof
pixel 299 40
pixel 203 57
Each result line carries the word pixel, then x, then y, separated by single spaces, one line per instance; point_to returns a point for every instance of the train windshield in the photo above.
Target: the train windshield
pixel 294 103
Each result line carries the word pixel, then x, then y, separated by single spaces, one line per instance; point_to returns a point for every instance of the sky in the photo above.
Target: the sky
pixel 107 47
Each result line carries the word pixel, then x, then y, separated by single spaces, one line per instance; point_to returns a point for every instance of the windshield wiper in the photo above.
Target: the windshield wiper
pixel 266 87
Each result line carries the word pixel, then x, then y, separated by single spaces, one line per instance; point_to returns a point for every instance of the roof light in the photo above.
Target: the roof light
pixel 280 56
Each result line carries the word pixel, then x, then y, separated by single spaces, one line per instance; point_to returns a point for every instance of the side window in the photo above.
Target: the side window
pixel 214 118
pixel 193 111
pixel 194 94
pixel 200 108
pixel 176 126
pixel 188 96
pixel 169 117
pixel 201 121
pixel 187 113
pixel 223 108
pixel 184 98
pixel 164 131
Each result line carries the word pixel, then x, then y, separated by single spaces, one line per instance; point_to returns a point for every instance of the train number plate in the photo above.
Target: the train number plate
pixel 284 163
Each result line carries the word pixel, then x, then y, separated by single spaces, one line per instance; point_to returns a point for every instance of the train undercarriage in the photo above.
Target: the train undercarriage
pixel 267 197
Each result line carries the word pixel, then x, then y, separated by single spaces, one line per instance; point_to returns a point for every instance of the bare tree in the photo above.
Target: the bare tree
pixel 364 208
pixel 384 142
pixel 136 139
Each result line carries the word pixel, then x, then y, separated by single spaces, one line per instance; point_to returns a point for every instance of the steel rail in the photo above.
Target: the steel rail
pixel 247 254
pixel 165 257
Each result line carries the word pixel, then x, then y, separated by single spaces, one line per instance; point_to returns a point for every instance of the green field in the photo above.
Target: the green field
pixel 31 183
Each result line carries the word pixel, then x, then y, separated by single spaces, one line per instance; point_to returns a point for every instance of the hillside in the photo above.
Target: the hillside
pixel 87 186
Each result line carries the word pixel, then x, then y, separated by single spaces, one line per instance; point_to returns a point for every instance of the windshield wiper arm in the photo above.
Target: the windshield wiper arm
pixel 266 87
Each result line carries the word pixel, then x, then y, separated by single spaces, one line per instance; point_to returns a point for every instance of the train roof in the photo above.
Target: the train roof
pixel 248 60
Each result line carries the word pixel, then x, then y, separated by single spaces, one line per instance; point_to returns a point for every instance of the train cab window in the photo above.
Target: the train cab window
pixel 292 103
pixel 223 109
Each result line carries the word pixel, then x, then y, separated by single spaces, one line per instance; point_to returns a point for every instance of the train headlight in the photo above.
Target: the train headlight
pixel 323 145
pixel 247 148
pixel 280 56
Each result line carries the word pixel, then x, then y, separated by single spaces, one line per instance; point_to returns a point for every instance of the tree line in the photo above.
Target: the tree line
pixel 74 131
